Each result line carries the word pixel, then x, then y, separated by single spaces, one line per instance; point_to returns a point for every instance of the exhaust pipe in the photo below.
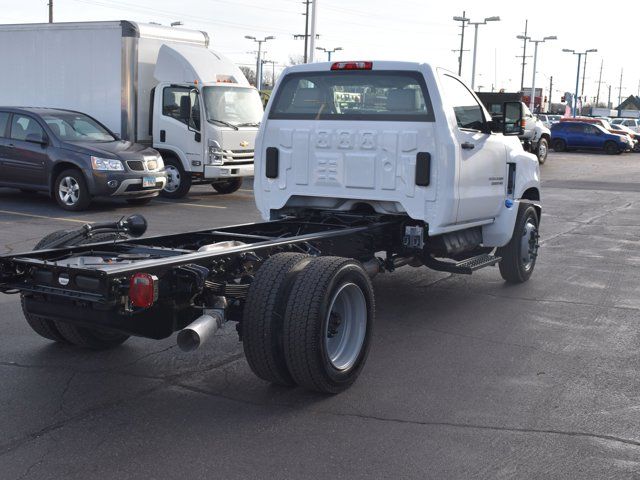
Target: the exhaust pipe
pixel 194 335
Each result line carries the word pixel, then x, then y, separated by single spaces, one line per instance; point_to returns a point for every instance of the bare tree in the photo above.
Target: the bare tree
pixel 296 59
pixel 249 73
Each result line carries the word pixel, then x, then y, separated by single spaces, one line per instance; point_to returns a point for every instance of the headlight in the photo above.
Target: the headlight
pixel 160 163
pixel 106 164
pixel 216 154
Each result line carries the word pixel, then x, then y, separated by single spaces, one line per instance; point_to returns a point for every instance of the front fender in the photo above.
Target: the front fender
pixel 527 175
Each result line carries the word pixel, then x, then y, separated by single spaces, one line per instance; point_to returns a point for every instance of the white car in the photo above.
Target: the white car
pixel 632 123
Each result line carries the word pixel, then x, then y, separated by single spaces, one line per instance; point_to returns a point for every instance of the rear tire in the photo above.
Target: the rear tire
pixel 543 150
pixel 228 186
pixel 611 148
pixel 178 180
pixel 71 192
pixel 328 324
pixel 262 321
pixel 559 145
pixel 62 332
pixel 519 255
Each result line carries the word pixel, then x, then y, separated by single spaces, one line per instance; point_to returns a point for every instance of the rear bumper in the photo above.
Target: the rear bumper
pixel 228 171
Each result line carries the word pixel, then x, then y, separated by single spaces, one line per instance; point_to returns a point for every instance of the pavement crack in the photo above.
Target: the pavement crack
pixel 64 392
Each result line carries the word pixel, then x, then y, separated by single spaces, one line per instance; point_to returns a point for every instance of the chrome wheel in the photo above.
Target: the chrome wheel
pixel 529 244
pixel 173 178
pixel 69 191
pixel 542 151
pixel 346 326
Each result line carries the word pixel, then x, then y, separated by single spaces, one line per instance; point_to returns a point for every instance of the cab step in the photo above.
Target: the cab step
pixel 466 267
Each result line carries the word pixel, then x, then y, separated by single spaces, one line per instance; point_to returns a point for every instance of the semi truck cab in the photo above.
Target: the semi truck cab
pixel 204 120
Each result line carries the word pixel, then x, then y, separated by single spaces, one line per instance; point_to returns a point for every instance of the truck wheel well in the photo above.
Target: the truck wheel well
pixel 58 168
pixel 168 153
pixel 531 194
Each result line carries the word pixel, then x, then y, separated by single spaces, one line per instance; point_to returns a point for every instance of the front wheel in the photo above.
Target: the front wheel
pixel 520 254
pixel 178 180
pixel 543 150
pixel 71 192
pixel 228 186
pixel 328 323
pixel 611 148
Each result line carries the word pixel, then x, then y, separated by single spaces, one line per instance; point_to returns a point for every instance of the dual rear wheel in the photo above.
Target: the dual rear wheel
pixel 308 321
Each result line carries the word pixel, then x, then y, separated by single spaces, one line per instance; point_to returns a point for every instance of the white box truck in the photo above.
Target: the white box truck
pixel 151 84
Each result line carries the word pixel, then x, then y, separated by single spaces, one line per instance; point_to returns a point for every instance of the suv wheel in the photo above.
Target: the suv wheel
pixel 543 150
pixel 71 192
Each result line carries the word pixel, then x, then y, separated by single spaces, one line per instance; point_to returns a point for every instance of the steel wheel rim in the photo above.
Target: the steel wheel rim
pixel 529 244
pixel 346 326
pixel 542 149
pixel 173 178
pixel 69 191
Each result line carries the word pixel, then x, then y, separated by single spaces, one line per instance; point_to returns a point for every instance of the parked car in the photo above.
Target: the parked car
pixel 632 143
pixel 632 123
pixel 74 158
pixel 586 136
pixel 627 131
pixel 548 119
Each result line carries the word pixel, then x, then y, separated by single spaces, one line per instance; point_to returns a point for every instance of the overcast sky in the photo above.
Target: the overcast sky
pixel 401 30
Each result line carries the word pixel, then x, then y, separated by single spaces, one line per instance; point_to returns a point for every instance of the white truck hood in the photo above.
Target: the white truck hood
pixel 191 64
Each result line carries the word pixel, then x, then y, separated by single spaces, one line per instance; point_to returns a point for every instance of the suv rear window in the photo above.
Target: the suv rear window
pixel 349 95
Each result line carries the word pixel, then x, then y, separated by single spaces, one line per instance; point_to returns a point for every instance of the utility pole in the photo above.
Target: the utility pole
pixel 620 89
pixel 584 72
pixel 463 20
pixel 609 99
pixel 524 52
pixel 550 93
pixel 50 11
pixel 312 32
pixel 599 82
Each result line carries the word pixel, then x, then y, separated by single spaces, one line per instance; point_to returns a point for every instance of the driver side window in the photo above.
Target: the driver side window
pixel 468 111
pixel 172 99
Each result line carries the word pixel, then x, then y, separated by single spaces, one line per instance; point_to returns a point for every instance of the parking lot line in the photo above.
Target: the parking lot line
pixel 74 220
pixel 191 204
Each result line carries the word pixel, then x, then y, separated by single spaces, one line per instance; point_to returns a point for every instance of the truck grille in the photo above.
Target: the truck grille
pixel 238 157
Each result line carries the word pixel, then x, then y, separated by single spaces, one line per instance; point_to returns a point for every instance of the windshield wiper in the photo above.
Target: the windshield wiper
pixel 222 122
pixel 249 124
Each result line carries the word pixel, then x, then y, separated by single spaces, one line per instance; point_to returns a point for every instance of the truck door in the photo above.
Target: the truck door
pixel 175 129
pixel 482 166
pixel 26 156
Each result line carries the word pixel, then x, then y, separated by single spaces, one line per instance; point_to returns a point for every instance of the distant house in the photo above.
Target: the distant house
pixel 631 103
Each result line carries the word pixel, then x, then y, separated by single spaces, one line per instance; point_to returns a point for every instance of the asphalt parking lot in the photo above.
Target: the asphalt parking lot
pixel 467 377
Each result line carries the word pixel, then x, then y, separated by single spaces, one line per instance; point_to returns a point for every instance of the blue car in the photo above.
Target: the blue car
pixel 586 136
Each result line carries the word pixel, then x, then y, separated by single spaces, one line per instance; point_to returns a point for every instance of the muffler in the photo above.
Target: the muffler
pixel 191 337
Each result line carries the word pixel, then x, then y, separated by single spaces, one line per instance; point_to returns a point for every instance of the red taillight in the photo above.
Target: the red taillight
pixel 352 66
pixel 143 290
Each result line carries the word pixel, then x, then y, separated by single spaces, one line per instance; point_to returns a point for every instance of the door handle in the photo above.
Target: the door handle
pixel 11 145
pixel 468 146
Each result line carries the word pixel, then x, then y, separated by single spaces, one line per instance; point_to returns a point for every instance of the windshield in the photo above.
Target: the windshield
pixel 237 106
pixel 76 127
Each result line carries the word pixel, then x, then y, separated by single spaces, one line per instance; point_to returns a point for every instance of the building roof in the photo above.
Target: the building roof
pixel 631 103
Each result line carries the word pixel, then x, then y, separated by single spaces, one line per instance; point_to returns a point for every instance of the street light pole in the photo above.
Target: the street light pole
pixel 463 20
pixel 524 39
pixel 259 60
pixel 312 29
pixel 579 54
pixel 532 102
pixel 475 46
pixel 584 73
pixel 329 51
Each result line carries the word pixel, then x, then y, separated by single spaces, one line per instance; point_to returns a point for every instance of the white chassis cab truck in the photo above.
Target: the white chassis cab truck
pixel 361 168
pixel 150 84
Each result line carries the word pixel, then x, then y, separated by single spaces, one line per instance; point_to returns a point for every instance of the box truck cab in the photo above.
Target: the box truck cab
pixel 150 84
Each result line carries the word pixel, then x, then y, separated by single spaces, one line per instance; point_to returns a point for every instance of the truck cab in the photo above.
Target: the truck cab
pixel 205 119
pixel 408 139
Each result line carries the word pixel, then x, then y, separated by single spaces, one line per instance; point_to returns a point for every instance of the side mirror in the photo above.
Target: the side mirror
pixel 36 138
pixel 136 225
pixel 512 121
